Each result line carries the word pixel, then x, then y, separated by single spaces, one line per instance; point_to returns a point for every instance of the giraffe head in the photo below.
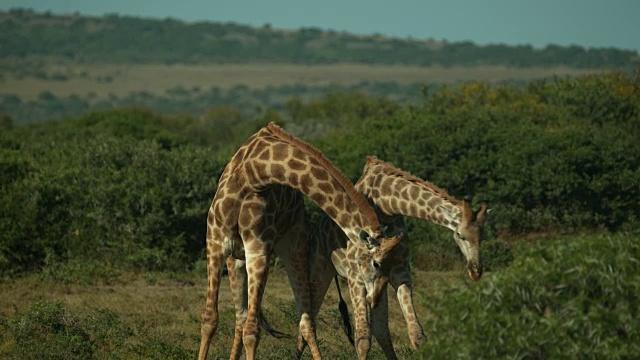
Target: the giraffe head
pixel 469 233
pixel 376 261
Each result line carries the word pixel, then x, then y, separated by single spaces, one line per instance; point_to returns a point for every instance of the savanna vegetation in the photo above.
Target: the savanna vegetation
pixel 119 197
pixel 105 183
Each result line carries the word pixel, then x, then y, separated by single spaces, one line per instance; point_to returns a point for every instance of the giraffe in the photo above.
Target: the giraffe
pixel 242 224
pixel 394 193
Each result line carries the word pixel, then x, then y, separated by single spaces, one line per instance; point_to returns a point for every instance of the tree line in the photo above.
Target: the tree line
pixel 113 38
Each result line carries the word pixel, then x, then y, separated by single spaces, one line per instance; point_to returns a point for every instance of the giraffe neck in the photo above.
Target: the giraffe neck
pixel 272 156
pixel 395 192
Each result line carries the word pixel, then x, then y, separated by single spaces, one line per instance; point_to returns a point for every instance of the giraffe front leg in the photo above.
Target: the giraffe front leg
pixel 238 281
pixel 361 313
pixel 380 326
pixel 258 271
pixel 416 333
pixel 210 314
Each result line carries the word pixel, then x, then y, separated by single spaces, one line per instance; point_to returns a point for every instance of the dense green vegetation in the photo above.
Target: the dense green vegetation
pixel 129 188
pixel 574 298
pixel 27 34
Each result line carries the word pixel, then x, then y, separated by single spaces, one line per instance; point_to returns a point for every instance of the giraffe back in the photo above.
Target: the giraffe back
pixel 272 156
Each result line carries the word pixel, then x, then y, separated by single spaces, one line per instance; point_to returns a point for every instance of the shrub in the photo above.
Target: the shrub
pixel 565 299
pixel 71 194
pixel 496 254
pixel 47 330
pixel 543 155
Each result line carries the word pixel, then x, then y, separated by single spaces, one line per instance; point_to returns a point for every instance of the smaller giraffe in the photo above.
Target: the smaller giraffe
pixel 394 194
pixel 245 223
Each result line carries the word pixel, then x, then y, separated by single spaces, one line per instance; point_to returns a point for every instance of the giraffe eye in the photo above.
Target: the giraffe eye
pixel 376 265
pixel 460 235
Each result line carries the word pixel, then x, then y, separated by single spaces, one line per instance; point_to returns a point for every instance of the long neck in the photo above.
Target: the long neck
pixel 274 157
pixel 398 193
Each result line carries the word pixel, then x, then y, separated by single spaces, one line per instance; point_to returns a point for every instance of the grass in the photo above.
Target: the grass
pixel 158 316
pixel 120 80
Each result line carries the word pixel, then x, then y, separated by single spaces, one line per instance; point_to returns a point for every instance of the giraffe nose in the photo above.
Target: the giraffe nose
pixel 373 300
pixel 475 270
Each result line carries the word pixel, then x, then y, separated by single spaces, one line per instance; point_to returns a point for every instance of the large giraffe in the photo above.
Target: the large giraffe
pixel 394 194
pixel 244 225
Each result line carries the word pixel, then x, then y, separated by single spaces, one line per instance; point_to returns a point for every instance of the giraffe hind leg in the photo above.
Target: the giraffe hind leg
pixel 238 282
pixel 344 313
pixel 346 323
pixel 380 326
pixel 361 315
pixel 293 249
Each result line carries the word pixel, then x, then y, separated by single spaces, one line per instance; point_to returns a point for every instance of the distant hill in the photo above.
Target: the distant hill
pixel 25 34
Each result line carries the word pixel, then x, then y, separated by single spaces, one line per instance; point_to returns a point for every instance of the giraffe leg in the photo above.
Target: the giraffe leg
pixel 416 334
pixel 321 273
pixel 258 239
pixel 294 254
pixel 258 270
pixel 210 314
pixel 400 279
pixel 380 326
pixel 238 281
pixel 361 313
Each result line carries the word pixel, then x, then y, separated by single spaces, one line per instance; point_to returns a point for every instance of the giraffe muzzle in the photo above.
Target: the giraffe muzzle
pixel 475 271
pixel 373 300
pixel 372 303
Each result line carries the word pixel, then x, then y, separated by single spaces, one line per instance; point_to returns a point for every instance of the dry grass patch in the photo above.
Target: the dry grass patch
pixel 120 80
pixel 166 309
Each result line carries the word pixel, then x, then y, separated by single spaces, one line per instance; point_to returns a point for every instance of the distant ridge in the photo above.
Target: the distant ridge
pixel 25 33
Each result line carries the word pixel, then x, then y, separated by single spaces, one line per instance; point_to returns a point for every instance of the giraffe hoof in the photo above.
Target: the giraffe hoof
pixel 418 341
pixel 363 345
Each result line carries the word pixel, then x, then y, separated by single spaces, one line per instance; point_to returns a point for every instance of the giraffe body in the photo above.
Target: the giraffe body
pixel 255 210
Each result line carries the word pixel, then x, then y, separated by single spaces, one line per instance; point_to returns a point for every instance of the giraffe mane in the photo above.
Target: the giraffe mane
pixel 361 202
pixel 394 171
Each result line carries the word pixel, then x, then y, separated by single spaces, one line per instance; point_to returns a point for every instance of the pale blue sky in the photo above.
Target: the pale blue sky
pixel 589 23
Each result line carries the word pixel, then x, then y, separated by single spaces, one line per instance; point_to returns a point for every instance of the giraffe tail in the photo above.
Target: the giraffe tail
pixel 264 324
pixel 344 311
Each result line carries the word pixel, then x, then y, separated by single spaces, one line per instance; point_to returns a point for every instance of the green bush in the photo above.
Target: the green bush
pixel 432 246
pixel 544 156
pixel 47 330
pixel 496 254
pixel 78 271
pixel 83 196
pixel 564 299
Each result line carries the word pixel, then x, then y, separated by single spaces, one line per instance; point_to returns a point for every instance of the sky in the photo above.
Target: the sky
pixel 587 23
